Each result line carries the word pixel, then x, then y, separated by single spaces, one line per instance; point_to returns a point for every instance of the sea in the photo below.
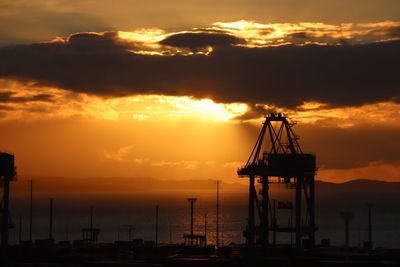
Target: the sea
pixel 115 214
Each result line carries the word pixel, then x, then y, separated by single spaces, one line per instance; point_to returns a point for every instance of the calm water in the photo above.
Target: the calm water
pixel 112 214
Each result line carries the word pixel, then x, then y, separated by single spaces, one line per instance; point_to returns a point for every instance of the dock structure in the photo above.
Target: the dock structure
pixel 277 158
pixel 193 239
pixel 90 235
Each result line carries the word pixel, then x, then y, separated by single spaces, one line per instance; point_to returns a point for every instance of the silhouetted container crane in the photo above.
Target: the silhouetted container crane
pixel 277 154
pixel 7 174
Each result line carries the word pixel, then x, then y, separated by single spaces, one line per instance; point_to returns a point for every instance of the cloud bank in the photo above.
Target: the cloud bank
pixel 286 75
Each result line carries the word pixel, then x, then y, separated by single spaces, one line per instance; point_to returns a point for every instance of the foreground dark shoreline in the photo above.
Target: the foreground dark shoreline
pixel 128 254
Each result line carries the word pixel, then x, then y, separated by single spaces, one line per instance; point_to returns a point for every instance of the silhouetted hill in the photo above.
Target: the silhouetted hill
pixel 143 193
pixel 120 185
pixel 149 186
pixel 359 186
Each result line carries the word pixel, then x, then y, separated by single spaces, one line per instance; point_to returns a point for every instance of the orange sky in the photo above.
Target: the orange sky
pixel 185 138
pixel 176 125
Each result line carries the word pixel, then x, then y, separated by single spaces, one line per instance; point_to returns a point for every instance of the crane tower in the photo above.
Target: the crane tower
pixel 278 158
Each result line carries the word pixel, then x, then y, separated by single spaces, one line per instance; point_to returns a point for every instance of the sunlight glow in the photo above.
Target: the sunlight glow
pixel 147 41
pixel 149 36
pixel 62 104
pixel 30 102
pixel 204 109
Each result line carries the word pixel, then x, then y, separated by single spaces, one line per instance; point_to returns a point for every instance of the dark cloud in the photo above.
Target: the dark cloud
pixel 342 148
pixel 285 76
pixel 355 37
pixel 200 39
pixel 266 31
pixel 391 31
pixel 92 42
pixel 5 107
pixel 8 97
pixel 255 111
pixel 301 35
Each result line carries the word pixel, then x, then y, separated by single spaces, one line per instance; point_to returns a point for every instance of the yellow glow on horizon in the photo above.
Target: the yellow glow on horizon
pixel 205 109
pixel 64 104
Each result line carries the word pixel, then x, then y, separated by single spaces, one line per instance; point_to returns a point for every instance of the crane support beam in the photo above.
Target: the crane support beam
pixel 251 222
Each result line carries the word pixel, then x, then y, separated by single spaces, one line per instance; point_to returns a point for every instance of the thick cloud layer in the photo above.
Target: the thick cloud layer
pixel 199 40
pixel 286 75
pixel 7 97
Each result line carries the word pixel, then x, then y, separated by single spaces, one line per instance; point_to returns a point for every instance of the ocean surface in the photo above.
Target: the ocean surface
pixel 112 214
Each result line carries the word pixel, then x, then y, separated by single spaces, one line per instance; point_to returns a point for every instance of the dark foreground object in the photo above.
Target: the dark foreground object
pixel 128 254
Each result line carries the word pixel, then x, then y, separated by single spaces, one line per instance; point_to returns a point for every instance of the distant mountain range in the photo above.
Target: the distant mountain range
pixel 118 185
pixel 359 185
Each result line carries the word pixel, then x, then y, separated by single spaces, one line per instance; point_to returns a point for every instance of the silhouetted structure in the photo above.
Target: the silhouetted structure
pixel 205 229
pixel 131 229
pixel 222 235
pixel 192 239
pixel 7 174
pixel 156 225
pixel 346 217
pixel 20 230
pixel 369 244
pixel 218 182
pixel 191 201
pixel 51 201
pixel 90 235
pixel 170 230
pixel 278 158
pixel 31 213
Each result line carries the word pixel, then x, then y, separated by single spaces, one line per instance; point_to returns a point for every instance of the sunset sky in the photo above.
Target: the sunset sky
pixel 178 89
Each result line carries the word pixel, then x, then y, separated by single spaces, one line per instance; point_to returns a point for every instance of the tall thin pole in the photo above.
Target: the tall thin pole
pixel 92 238
pixel 170 230
pixel 370 226
pixel 347 232
pixel 51 219
pixel 191 218
pixel 191 200
pixel 251 223
pixel 66 232
pixel 31 212
pixel 291 226
pixel 274 225
pixel 91 217
pixel 205 229
pixel 312 211
pixel 346 216
pixel 218 182
pixel 20 229
pixel 131 229
pixel 265 212
pixel 157 225
pixel 299 181
pixel 222 235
